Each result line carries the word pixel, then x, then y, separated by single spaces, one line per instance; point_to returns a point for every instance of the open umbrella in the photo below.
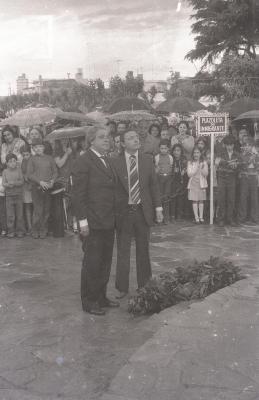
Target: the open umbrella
pixel 239 106
pixel 98 116
pixel 31 116
pixel 68 133
pixel 180 105
pixel 133 116
pixel 254 114
pixel 75 116
pixel 128 104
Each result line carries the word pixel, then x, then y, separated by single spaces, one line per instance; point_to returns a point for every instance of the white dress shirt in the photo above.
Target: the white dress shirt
pixel 128 162
pixel 127 157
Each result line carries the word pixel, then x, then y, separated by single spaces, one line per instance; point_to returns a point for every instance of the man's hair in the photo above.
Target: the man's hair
pixel 10 156
pixel 164 142
pixel 91 135
pixel 229 139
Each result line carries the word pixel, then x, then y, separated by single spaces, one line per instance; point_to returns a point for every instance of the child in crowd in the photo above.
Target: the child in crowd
pixel 13 184
pixel 202 145
pixel 248 183
pixel 228 163
pixel 3 228
pixel 27 197
pixel 165 134
pixel 163 164
pixel 197 171
pixel 179 183
pixel 42 173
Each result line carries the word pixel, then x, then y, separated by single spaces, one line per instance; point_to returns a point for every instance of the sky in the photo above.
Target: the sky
pixel 104 37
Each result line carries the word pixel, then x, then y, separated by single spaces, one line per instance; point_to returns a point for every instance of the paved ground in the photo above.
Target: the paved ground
pixel 50 349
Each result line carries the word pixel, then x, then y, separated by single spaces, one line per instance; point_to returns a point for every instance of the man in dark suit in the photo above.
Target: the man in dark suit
pixel 138 202
pixel 93 198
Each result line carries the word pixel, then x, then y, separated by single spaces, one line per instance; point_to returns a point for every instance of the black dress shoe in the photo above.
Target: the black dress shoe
pixel 93 308
pixel 108 303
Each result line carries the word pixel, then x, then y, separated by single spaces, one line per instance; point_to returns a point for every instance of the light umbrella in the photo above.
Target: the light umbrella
pixel 180 105
pixel 98 116
pixel 140 115
pixel 31 116
pixel 68 133
pixel 239 106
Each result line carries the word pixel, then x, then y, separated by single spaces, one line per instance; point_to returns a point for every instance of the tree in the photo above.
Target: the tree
pixel 180 86
pixel 232 78
pixel 223 27
pixel 130 86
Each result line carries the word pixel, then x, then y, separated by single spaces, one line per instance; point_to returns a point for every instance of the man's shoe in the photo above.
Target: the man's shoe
pixel 121 295
pixel 20 235
pixel 109 303
pixel 11 235
pixel 93 308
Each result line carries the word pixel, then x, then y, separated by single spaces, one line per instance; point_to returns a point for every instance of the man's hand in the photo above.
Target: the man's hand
pixel 159 216
pixel 44 185
pixel 84 231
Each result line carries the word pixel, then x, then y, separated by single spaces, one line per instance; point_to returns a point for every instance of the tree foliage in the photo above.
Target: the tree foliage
pixel 130 86
pixel 232 78
pixel 223 27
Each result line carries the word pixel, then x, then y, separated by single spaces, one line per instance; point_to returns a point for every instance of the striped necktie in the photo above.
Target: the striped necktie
pixel 134 181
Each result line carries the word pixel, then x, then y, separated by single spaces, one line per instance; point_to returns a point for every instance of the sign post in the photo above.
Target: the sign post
pixel 211 125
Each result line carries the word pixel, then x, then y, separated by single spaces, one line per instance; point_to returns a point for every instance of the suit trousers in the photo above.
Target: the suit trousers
pixel 248 191
pixel 226 198
pixel 96 266
pixel 133 225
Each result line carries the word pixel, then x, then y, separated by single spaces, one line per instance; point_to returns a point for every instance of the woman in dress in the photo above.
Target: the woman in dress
pixel 197 171
pixel 11 143
pixel 184 138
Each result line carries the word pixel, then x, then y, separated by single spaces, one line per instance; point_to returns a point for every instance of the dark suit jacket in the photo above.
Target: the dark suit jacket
pixel 93 192
pixel 149 188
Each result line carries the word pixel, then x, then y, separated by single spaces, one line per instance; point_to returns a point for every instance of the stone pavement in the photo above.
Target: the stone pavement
pixel 50 349
pixel 208 352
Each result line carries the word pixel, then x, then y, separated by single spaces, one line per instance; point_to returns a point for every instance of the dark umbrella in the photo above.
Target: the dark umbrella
pixel 253 114
pixel 127 104
pixel 239 106
pixel 180 105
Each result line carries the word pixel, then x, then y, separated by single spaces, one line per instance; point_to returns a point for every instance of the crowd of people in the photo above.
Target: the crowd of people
pixel 36 182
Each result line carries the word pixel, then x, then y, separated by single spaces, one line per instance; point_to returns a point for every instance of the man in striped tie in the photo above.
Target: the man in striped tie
pixel 138 204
